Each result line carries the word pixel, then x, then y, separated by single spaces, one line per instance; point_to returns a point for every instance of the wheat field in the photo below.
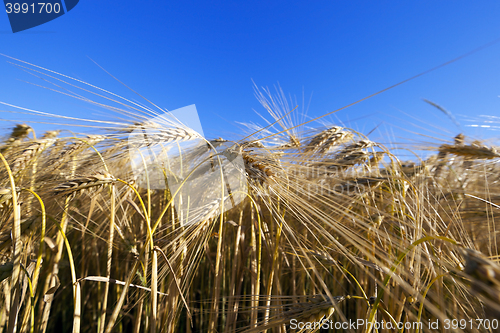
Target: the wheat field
pixel 320 227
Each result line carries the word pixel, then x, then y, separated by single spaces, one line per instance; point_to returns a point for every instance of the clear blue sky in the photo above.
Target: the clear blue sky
pixel 207 53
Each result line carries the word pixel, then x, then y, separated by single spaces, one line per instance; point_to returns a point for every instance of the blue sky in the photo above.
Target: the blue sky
pixel 331 52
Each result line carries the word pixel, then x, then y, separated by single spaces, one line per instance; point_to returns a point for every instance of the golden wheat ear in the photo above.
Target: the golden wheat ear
pixel 88 183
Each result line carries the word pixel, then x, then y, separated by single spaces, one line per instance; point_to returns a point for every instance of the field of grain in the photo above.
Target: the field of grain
pixel 323 225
